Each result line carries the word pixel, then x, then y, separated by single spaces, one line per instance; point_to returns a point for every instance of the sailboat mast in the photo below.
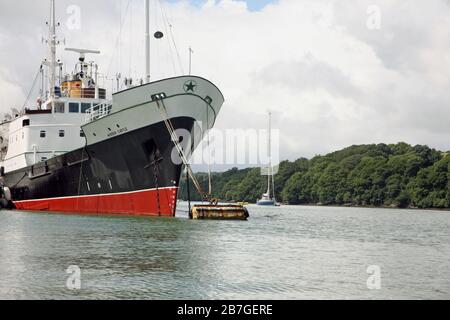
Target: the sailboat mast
pixel 147 41
pixel 269 173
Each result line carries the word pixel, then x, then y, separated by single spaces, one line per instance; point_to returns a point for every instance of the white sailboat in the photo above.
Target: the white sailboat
pixel 268 199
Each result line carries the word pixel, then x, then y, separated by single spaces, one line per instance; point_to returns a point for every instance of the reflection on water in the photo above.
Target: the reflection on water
pixel 280 253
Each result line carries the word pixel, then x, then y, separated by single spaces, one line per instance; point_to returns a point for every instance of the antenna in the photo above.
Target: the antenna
pixel 190 59
pixel 83 52
pixel 118 77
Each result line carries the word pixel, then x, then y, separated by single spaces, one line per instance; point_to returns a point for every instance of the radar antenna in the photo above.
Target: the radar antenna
pixel 83 52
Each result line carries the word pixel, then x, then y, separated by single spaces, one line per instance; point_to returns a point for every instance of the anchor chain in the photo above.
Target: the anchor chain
pixel 175 139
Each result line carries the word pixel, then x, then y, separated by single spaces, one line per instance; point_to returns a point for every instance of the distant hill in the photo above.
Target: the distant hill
pixel 398 175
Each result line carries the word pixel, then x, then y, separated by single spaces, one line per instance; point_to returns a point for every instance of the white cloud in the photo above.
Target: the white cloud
pixel 11 95
pixel 329 80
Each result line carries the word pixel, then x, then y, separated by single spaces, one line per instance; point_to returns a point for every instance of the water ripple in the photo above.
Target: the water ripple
pixel 281 253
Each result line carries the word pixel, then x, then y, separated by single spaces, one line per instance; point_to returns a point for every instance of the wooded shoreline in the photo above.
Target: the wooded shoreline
pixel 378 176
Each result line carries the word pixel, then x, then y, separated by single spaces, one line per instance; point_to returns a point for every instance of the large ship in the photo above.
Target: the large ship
pixel 77 151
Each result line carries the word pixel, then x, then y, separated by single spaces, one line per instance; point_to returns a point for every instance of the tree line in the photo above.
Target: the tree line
pixel 396 175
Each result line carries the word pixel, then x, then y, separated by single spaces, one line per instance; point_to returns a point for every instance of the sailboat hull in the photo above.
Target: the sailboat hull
pixel 266 203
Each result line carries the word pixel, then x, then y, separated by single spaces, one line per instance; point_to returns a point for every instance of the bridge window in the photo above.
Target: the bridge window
pixel 62 133
pixel 74 107
pixel 85 107
pixel 59 107
pixel 25 122
pixel 43 134
pixel 82 134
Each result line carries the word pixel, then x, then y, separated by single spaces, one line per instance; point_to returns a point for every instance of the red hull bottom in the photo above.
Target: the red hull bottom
pixel 153 202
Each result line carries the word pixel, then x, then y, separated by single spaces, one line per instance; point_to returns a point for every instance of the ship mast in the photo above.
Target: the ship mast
pixel 147 41
pixel 52 49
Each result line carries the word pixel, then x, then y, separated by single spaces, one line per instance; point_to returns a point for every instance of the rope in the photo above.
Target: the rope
pixel 166 30
pixel 32 87
pixel 117 48
pixel 164 14
pixel 209 151
pixel 81 172
pixel 130 61
pixel 188 193
pixel 155 172
pixel 25 174
pixel 176 141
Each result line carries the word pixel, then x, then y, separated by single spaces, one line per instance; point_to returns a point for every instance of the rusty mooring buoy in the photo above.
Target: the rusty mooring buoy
pixel 219 212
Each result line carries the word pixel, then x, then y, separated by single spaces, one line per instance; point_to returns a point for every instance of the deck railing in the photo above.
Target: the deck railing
pixel 98 111
pixel 88 93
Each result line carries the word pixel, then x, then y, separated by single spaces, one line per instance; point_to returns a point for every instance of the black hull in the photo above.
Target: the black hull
pixel 128 174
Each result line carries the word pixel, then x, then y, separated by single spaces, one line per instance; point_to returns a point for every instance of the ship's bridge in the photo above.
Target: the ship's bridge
pixel 74 88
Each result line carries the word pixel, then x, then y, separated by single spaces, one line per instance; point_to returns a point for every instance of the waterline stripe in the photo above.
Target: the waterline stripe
pixel 97 195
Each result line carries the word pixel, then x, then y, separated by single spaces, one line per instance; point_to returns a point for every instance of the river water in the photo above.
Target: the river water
pixel 280 253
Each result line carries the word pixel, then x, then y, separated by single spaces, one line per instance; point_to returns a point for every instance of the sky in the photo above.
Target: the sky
pixel 333 72
pixel 252 5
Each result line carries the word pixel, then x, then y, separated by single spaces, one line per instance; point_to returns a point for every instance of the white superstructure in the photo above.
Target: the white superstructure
pixel 53 126
pixel 38 135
